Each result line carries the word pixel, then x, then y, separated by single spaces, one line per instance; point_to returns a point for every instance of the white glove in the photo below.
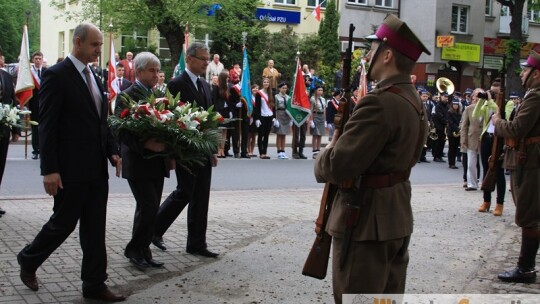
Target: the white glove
pixel 290 123
pixel 230 115
pixel 312 124
pixel 326 124
pixel 257 123
pixel 276 123
pixel 239 104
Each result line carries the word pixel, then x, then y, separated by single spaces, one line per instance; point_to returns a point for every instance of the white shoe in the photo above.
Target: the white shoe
pixel 280 155
pixel 284 155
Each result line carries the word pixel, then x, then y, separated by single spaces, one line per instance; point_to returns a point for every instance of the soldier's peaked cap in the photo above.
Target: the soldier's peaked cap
pixel 533 60
pixel 400 37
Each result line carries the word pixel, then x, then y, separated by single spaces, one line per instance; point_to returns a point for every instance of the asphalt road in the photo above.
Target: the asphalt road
pixel 22 176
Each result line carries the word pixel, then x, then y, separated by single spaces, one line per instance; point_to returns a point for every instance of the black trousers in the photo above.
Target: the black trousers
pixel 486 144
pixel 453 150
pixel 83 202
pixel 438 145
pixel 193 189
pixel 35 139
pixel 243 131
pixel 264 133
pixel 147 194
pixel 4 146
pixel 299 137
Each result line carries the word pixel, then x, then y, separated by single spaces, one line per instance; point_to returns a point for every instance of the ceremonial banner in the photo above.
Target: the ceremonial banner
pixel 25 80
pixel 245 85
pixel 299 107
pixel 111 71
pixel 181 65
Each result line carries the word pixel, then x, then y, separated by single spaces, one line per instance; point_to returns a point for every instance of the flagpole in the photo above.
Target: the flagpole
pixel 241 120
pixel 26 116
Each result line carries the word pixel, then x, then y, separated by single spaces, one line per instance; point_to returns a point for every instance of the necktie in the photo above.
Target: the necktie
pixel 96 95
pixel 120 84
pixel 39 73
pixel 201 91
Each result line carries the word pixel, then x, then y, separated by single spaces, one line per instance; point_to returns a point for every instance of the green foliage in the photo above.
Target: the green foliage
pixel 12 20
pixel 328 35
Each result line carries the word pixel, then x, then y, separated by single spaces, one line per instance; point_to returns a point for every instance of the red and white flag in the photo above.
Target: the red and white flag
pixel 25 80
pixel 362 85
pixel 317 11
pixel 111 84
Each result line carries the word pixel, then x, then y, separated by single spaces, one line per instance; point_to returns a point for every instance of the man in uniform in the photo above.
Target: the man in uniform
pixel 387 128
pixel 522 159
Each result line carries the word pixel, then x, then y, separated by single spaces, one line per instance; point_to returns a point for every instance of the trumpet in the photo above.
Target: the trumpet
pixel 455 134
pixel 445 85
pixel 433 134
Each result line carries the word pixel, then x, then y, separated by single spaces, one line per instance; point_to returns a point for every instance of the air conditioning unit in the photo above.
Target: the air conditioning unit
pixel 345 45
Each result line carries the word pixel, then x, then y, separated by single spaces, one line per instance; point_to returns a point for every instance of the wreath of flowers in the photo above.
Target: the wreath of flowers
pixel 190 132
pixel 11 116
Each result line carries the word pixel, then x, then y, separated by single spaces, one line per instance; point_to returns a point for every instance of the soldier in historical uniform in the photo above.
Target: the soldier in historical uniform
pixel 371 162
pixel 522 158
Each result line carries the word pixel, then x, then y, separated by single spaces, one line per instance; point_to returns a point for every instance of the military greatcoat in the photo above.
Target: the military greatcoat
pixel 381 137
pixel 525 179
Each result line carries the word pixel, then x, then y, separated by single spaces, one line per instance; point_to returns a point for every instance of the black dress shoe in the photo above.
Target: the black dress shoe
pixel 204 252
pixel 35 156
pixel 105 295
pixel 2 211
pixel 29 279
pixel 301 156
pixel 245 156
pixel 424 160
pixel 470 189
pixel 518 275
pixel 140 263
pixel 154 263
pixel 158 242
pixel 453 167
pixel 438 160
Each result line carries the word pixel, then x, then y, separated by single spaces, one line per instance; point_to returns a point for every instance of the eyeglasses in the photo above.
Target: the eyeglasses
pixel 201 59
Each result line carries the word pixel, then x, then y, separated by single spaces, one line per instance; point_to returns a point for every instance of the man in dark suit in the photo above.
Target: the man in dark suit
pixel 33 103
pixel 7 96
pixel 120 82
pixel 145 174
pixel 75 143
pixel 194 184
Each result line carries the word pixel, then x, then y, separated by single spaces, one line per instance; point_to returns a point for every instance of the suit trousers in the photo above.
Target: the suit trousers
pixel 264 133
pixel 243 126
pixel 299 137
pixel 147 193
pixel 371 267
pixel 4 147
pixel 194 189
pixel 84 201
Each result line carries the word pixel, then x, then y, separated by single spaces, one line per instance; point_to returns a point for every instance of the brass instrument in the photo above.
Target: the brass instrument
pixel 445 85
pixel 433 134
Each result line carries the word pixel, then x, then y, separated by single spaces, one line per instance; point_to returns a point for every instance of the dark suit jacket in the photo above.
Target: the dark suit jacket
pixel 125 84
pixel 74 140
pixel 188 90
pixel 7 96
pixel 135 161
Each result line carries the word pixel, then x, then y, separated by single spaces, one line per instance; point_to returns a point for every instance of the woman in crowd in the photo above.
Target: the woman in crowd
pixel 282 123
pixel 220 98
pixel 252 134
pixel 263 115
pixel 452 131
pixel 317 119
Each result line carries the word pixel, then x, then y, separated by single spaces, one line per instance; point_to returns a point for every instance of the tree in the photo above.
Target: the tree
pixel 12 19
pixel 328 35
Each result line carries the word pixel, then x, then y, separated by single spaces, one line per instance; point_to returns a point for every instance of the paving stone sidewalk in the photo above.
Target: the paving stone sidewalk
pixel 263 237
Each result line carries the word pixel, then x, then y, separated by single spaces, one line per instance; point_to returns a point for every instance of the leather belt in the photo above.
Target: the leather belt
pixel 512 142
pixel 532 140
pixel 377 181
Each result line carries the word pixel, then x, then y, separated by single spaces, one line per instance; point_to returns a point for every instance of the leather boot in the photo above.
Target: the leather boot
pixel 301 153
pixel 485 207
pixel 498 210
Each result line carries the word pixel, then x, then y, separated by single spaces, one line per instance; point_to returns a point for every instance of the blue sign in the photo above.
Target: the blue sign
pixel 278 16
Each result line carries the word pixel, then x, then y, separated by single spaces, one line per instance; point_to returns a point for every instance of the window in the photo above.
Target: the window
pixel 314 3
pixel 134 42
pixel 533 16
pixel 460 16
pixel 488 7
pixel 289 2
pixel 384 3
pixel 363 2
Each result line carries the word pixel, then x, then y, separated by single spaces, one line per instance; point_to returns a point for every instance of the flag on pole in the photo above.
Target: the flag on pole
pixel 111 84
pixel 362 85
pixel 181 65
pixel 25 80
pixel 245 85
pixel 299 107
pixel 317 11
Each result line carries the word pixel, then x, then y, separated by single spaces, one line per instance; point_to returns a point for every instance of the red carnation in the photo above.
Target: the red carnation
pixel 124 113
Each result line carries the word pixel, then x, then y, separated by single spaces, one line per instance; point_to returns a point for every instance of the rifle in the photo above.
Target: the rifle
pixel 316 263
pixel 490 180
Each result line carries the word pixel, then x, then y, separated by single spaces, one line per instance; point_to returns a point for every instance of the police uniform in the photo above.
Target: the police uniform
pixel 380 143
pixel 522 158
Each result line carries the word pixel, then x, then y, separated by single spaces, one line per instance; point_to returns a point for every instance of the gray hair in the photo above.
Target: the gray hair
pixel 143 59
pixel 192 48
pixel 82 30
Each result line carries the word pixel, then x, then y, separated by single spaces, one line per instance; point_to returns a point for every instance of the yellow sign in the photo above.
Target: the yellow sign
pixel 445 41
pixel 462 52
